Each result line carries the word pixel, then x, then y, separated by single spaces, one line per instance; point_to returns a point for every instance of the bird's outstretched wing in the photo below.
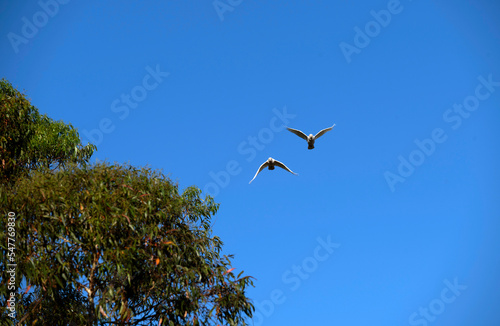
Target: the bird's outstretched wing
pixel 322 132
pixel 283 166
pixel 298 133
pixel 262 167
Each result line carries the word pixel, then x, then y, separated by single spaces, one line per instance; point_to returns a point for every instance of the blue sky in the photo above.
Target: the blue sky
pixel 394 216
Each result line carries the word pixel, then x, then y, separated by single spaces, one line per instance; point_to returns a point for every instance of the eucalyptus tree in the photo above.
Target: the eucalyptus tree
pixel 104 244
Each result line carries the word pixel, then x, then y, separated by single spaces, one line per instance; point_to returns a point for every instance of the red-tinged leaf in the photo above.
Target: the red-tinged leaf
pixel 229 271
pixel 127 218
pixel 157 261
pixel 102 312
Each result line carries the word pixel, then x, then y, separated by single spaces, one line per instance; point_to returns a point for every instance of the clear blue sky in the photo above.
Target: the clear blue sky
pixel 394 217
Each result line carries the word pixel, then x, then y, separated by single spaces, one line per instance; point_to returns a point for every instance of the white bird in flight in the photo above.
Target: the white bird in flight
pixel 271 162
pixel 310 139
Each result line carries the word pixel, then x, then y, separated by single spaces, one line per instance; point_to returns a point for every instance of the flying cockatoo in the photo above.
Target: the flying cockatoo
pixel 310 139
pixel 270 163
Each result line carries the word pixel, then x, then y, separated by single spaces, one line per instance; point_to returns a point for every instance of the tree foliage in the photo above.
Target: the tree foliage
pixel 30 140
pixel 118 245
pixel 139 249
